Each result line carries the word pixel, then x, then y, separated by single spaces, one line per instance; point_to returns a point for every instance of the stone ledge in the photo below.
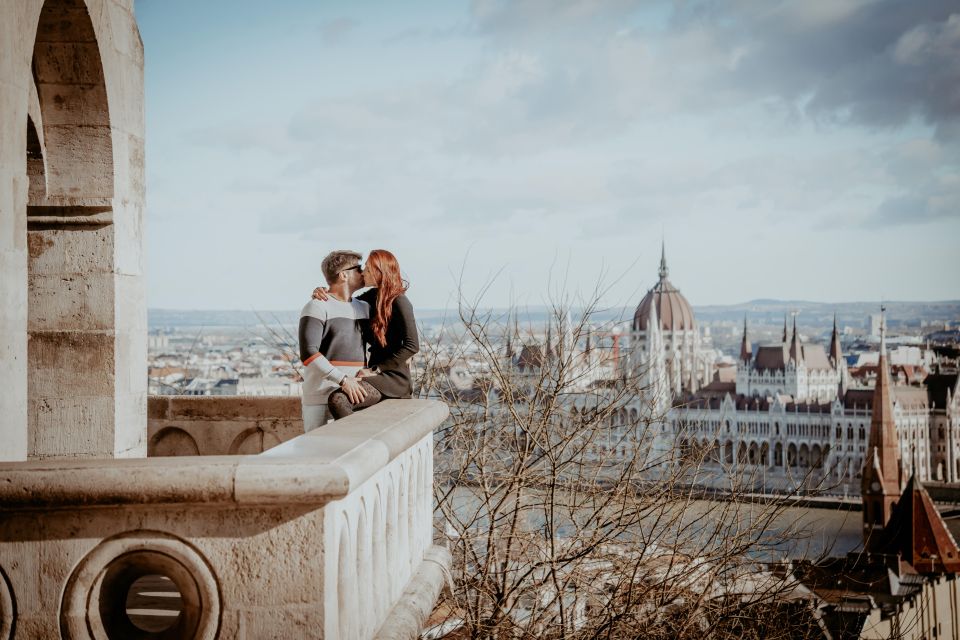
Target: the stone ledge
pixel 407 617
pixel 314 468
pixel 215 408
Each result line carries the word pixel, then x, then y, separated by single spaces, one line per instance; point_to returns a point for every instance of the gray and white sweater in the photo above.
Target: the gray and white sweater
pixel 331 345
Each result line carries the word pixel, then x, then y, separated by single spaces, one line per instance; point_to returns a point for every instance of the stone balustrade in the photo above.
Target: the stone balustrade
pixel 328 535
pixel 220 425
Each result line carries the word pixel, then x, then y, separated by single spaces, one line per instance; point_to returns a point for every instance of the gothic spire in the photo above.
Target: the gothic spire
pixel 784 329
pixel 882 473
pixel 745 350
pixel 835 344
pixel 795 354
pixel 663 260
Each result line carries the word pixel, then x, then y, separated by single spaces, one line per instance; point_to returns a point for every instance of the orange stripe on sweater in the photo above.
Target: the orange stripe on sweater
pixel 336 363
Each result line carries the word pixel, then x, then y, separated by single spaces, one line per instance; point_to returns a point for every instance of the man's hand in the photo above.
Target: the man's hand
pixel 321 293
pixel 351 387
pixel 366 373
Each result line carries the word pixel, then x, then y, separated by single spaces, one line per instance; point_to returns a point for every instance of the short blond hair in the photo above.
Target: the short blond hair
pixel 337 261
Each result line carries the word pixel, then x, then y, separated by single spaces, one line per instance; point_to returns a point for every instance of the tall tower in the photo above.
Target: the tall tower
pixel 882 471
pixel 836 358
pixel 746 351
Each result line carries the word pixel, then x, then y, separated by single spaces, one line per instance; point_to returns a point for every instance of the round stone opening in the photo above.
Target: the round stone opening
pixel 154 603
pixel 148 594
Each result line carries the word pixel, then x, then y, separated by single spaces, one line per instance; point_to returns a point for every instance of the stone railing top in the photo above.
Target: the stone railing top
pixel 312 469
pixel 213 408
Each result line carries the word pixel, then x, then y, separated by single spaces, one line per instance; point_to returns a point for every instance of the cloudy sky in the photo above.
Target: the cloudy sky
pixel 797 150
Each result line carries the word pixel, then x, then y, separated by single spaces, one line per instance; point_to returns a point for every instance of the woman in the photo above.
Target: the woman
pixel 391 335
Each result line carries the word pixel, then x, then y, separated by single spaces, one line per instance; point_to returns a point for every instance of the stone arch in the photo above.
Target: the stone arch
pixel 7 607
pixel 792 455
pixel 173 441
pixel 409 508
pixel 403 522
pixel 253 441
pixel 765 454
pixel 71 88
pixel 381 592
pixel 742 453
pixel 36 165
pixel 816 457
pixel 393 537
pixel 753 454
pixel 803 457
pixel 76 321
pixel 347 609
pixel 778 454
pixel 364 568
pixel 728 452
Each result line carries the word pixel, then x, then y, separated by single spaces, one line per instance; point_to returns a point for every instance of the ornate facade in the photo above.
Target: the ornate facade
pixel 780 425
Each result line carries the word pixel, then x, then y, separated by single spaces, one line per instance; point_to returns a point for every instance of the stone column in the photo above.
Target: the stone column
pixel 17 20
pixel 86 309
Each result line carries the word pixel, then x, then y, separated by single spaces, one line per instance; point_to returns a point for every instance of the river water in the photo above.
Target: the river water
pixel 791 533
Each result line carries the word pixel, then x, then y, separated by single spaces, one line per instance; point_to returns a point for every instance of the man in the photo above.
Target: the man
pixel 331 343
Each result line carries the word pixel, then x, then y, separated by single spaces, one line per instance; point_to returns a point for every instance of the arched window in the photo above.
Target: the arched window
pixel 792 455
pixel 816 457
pixel 778 455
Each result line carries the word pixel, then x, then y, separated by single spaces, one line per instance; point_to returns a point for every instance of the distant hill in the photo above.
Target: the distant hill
pixel 762 311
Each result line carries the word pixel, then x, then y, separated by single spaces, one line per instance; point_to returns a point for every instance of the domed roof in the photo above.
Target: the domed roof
pixel 673 310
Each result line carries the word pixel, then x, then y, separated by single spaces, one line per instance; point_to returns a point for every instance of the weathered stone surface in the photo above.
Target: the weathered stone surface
pixel 68 427
pixel 68 364
pixel 71 302
pixel 57 252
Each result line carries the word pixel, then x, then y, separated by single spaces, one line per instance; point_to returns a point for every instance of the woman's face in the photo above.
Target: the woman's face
pixel 371 275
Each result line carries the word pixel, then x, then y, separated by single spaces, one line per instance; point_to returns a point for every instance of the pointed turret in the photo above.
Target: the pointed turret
pixel 882 469
pixel 784 329
pixel 835 354
pixel 796 354
pixel 746 352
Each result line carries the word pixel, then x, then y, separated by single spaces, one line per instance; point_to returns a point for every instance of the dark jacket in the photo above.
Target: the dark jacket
pixel 393 358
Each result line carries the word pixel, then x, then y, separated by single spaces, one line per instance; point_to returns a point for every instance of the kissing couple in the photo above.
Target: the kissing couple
pixel 356 349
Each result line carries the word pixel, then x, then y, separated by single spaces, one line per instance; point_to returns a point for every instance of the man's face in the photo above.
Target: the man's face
pixel 354 275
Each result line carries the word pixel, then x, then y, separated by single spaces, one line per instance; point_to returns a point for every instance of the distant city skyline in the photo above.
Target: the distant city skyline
pixel 785 150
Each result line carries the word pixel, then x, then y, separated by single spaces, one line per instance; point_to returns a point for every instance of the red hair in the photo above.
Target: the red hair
pixel 386 272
